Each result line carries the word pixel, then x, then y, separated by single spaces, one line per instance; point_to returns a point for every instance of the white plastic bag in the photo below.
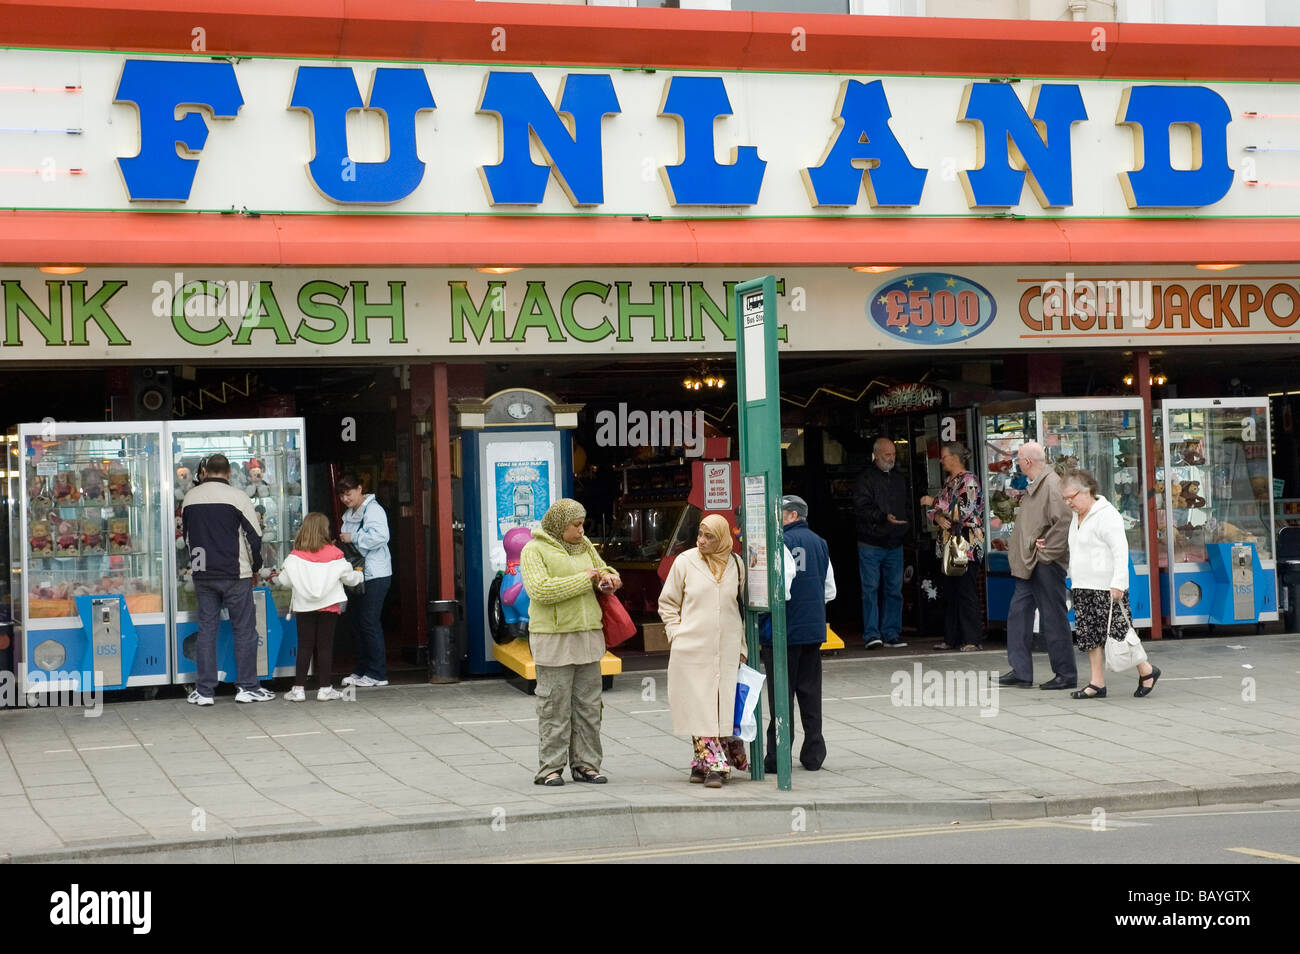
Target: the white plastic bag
pixel 749 686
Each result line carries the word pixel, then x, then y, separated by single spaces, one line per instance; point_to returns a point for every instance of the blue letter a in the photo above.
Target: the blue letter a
pixel 864 149
pixel 158 89
pixel 328 93
pixel 1009 145
pixel 574 153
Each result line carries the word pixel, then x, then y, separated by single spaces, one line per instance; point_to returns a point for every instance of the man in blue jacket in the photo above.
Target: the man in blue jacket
pixel 809 585
pixel 223 538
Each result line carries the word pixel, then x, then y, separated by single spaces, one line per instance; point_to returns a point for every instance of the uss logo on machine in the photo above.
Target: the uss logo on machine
pixel 932 308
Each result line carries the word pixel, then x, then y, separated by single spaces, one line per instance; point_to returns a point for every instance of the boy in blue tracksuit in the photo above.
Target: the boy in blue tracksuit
pixel 809 588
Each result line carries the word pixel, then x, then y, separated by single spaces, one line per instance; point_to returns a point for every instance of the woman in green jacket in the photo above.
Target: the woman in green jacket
pixel 562 572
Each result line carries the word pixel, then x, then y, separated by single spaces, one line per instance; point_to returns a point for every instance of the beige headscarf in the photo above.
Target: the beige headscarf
pixel 558 516
pixel 717 551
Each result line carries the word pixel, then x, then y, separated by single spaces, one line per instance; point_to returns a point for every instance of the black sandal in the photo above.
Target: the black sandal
pixel 1098 692
pixel 1153 675
pixel 551 780
pixel 585 774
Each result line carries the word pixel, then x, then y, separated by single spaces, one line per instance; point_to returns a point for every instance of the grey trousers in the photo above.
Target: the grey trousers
pixel 237 595
pixel 569 707
pixel 1044 591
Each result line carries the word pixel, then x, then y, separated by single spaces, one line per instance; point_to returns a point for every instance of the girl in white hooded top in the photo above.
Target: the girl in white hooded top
pixel 317 572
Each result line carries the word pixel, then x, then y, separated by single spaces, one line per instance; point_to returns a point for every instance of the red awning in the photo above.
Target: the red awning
pixel 165 239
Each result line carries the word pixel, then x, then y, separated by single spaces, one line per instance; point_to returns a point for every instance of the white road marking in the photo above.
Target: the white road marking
pixel 99 748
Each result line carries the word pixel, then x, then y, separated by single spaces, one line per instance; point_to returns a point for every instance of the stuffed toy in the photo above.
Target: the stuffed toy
pixel 42 499
pixel 1192 453
pixel 119 535
pixel 66 544
pixel 1188 493
pixel 92 535
pixel 256 486
pixel 65 491
pixel 92 484
pixel 184 481
pixel 41 543
pixel 119 486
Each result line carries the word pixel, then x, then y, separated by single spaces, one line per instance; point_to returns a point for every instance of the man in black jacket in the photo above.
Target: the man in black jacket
pixel 223 537
pixel 809 586
pixel 880 502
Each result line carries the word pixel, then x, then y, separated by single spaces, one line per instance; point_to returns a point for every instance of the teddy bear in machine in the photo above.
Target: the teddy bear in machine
pixel 65 489
pixel 39 538
pixel 119 486
pixel 119 535
pixel 1189 494
pixel 92 484
pixel 92 535
pixel 67 542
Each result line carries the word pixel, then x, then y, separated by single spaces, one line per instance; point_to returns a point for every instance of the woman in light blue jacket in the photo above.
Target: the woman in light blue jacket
pixel 365 526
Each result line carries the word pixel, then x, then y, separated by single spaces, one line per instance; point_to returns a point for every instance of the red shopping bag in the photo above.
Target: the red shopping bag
pixel 618 626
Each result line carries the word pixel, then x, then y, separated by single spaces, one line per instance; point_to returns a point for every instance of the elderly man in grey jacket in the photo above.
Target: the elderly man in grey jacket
pixel 1039 555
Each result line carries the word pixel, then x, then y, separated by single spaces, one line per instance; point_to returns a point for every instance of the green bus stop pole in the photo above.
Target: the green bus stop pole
pixel 758 397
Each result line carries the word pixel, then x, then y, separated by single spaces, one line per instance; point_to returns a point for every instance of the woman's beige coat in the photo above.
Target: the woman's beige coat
pixel 705 636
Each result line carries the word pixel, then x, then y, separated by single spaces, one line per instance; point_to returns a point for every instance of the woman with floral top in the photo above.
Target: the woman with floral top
pixel 959 509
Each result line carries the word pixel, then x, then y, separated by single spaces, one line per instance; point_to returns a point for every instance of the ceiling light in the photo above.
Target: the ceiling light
pixel 498 269
pixel 875 269
pixel 1217 268
pixel 63 269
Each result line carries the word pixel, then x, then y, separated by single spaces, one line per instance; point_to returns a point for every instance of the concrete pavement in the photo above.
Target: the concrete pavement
pixel 445 772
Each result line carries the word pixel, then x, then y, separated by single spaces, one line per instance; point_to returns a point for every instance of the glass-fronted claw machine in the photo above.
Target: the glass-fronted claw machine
pixel 92 543
pixel 267 462
pixel 1214 471
pixel 1002 429
pixel 1104 437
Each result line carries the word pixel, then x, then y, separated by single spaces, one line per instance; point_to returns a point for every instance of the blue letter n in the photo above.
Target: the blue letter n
pixel 574 153
pixel 1011 145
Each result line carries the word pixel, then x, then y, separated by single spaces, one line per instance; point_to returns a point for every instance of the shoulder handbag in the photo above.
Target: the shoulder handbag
pixel 1123 654
pixel 356 559
pixel 614 620
pixel 956 550
pixel 740 587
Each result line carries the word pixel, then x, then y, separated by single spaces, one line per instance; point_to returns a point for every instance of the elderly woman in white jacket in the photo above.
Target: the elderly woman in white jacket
pixel 1099 581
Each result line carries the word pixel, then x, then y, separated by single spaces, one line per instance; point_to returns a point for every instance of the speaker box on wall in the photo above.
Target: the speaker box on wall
pixel 151 394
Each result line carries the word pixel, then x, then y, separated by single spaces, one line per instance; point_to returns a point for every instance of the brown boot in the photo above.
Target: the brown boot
pixel 713 780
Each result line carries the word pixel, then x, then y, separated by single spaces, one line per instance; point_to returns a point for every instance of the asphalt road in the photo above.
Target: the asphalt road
pixel 1229 835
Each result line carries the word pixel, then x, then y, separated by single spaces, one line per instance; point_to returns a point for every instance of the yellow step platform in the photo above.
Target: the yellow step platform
pixel 832 641
pixel 518 658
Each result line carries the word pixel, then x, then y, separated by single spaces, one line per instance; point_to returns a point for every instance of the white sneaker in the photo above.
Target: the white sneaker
pixel 295 695
pixel 254 695
pixel 328 694
pixel 364 681
pixel 352 679
pixel 896 644
pixel 200 700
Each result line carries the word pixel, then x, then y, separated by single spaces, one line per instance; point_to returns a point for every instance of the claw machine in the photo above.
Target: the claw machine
pixel 267 462
pixel 1104 437
pixel 92 541
pixel 1214 472
pixel 1002 429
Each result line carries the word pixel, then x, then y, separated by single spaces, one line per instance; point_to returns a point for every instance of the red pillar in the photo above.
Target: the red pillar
pixel 1142 378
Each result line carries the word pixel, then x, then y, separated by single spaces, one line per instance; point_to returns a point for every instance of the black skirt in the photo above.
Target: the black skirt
pixel 1091 609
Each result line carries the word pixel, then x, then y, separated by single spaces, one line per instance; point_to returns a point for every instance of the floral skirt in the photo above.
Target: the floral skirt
pixel 1091 609
pixel 713 754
